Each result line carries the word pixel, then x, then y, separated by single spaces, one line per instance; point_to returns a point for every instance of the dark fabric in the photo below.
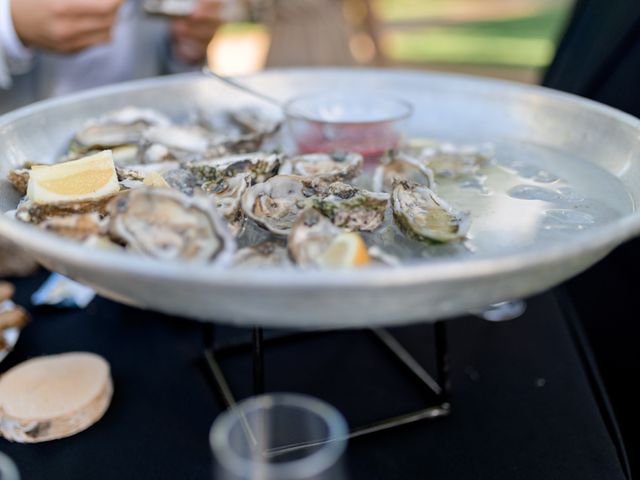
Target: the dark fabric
pixel 522 406
pixel 599 58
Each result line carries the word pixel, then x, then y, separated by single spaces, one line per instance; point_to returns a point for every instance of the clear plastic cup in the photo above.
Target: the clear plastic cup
pixel 279 437
pixel 8 469
pixel 361 121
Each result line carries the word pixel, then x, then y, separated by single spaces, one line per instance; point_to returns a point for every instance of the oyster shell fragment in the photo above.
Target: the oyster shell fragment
pixel 421 214
pixel 331 168
pixel 169 225
pixel 396 165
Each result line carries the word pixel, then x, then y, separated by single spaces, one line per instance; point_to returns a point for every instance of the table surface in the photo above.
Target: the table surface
pixel 522 403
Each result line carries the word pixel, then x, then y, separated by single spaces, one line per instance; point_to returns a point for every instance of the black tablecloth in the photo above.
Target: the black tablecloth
pixel 523 407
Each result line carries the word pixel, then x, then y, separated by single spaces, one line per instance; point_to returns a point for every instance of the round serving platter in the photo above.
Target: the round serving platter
pixel 560 197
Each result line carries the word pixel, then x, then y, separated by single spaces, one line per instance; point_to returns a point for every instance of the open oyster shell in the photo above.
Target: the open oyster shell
pixel 120 128
pixel 265 254
pixel 396 165
pixel 31 212
pixel 447 160
pixel 241 131
pixel 169 225
pixel 261 166
pixel 227 194
pixel 276 203
pixel 174 143
pixel 310 237
pixel 77 226
pixel 352 208
pixel 19 178
pixel 421 214
pixel 331 168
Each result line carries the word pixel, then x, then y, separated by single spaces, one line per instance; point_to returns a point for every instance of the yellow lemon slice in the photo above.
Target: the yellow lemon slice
pixel 346 250
pixel 89 178
pixel 154 179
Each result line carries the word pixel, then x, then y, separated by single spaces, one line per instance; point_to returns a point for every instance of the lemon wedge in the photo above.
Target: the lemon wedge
pixel 89 178
pixel 345 251
pixel 154 179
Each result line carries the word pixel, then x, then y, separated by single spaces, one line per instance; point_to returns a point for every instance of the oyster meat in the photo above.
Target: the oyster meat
pixel 310 236
pixel 397 165
pixel 79 226
pixel 276 203
pixel 447 160
pixel 120 128
pixel 421 214
pixel 174 143
pixel 166 224
pixel 352 208
pixel 265 254
pixel 331 168
pixel 241 131
pixel 261 166
pixel 227 193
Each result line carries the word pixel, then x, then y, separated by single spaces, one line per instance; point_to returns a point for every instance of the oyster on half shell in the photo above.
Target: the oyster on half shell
pixel 166 224
pixel 331 168
pixel 396 165
pixel 265 254
pixel 119 128
pixel 352 208
pixel 421 214
pixel 310 236
pixel 261 166
pixel 276 203
pixel 227 194
pixel 447 160
pixel 241 131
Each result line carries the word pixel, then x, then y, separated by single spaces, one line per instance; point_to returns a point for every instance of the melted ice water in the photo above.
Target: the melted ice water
pixel 530 196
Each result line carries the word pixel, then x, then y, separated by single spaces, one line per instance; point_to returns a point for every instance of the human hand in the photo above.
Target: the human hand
pixel 191 35
pixel 64 26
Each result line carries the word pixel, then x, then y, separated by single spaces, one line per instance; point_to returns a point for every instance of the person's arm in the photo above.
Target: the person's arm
pixel 190 36
pixel 15 58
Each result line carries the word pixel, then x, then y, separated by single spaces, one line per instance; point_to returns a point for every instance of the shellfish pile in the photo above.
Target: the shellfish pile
pixel 222 192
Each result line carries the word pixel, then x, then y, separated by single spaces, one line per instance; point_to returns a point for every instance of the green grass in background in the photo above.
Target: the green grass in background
pixel 519 42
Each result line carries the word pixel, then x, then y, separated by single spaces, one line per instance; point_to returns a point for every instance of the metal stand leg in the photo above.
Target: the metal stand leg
pixel 258 361
pixel 439 386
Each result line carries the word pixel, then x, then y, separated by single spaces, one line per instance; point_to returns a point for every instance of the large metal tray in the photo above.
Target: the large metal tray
pixel 567 135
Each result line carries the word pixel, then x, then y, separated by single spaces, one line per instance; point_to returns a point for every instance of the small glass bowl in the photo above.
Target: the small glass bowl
pixel 365 122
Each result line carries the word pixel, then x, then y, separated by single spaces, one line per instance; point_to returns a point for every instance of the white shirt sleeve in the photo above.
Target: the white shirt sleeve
pixel 17 58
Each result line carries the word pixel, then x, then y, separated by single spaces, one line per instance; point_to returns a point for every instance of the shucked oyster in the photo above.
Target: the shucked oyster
pixel 174 143
pixel 76 226
pixel 261 166
pixel 265 254
pixel 396 165
pixel 421 214
pixel 311 235
pixel 453 161
pixel 166 224
pixel 331 168
pixel 276 203
pixel 116 129
pixel 353 208
pixel 240 131
pixel 227 193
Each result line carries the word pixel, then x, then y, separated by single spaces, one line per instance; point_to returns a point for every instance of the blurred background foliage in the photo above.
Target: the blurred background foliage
pixel 514 39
